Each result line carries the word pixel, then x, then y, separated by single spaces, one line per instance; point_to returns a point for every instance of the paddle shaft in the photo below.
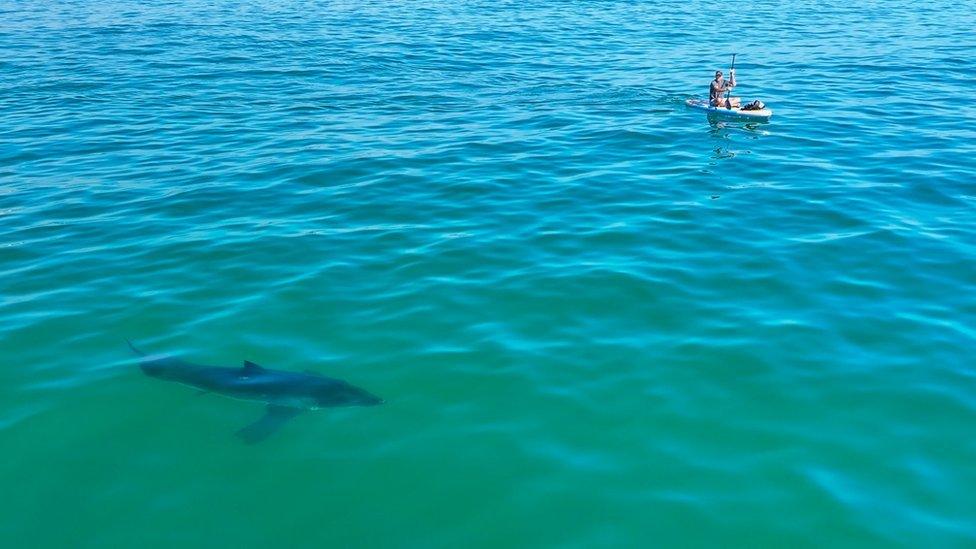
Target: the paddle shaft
pixel 731 79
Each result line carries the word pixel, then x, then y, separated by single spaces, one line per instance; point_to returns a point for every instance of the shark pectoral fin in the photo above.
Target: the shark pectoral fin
pixel 272 420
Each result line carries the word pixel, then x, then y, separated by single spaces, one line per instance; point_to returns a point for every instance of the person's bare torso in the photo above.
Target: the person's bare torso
pixel 717 88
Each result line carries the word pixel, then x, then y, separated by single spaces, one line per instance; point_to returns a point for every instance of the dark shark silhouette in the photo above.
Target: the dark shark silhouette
pixel 286 394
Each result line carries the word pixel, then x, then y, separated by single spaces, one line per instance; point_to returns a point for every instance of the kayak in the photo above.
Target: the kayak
pixel 736 112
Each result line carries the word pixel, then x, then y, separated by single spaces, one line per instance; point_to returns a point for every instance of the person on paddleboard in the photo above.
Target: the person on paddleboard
pixel 719 87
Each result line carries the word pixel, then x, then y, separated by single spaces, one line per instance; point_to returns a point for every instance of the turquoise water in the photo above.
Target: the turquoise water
pixel 597 318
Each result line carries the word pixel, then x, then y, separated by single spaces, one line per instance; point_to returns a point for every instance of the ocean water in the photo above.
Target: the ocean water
pixel 598 319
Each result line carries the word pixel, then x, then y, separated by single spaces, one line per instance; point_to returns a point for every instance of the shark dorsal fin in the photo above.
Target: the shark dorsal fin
pixel 250 369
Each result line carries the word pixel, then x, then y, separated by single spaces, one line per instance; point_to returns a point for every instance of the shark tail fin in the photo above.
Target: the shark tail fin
pixel 134 349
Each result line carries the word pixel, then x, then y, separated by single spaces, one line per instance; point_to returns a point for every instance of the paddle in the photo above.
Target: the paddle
pixel 728 104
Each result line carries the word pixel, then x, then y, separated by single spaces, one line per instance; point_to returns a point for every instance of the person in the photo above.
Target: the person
pixel 719 87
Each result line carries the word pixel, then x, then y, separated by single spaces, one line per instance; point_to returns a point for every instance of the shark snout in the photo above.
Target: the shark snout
pixel 365 398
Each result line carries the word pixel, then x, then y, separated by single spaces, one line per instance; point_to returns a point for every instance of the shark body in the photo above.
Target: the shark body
pixel 286 394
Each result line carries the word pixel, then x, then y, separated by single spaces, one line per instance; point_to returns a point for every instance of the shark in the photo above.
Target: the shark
pixel 285 394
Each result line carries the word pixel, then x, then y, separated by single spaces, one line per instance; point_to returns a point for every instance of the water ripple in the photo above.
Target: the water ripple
pixel 596 316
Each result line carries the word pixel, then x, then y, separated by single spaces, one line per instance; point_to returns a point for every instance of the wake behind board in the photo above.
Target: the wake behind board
pixel 734 112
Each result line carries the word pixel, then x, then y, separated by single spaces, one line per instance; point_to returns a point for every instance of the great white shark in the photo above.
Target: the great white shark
pixel 286 394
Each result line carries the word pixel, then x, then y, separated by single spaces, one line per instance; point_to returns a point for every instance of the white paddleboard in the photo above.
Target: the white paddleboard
pixel 736 112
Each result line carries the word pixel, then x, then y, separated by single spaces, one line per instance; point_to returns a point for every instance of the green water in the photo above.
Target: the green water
pixel 597 318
